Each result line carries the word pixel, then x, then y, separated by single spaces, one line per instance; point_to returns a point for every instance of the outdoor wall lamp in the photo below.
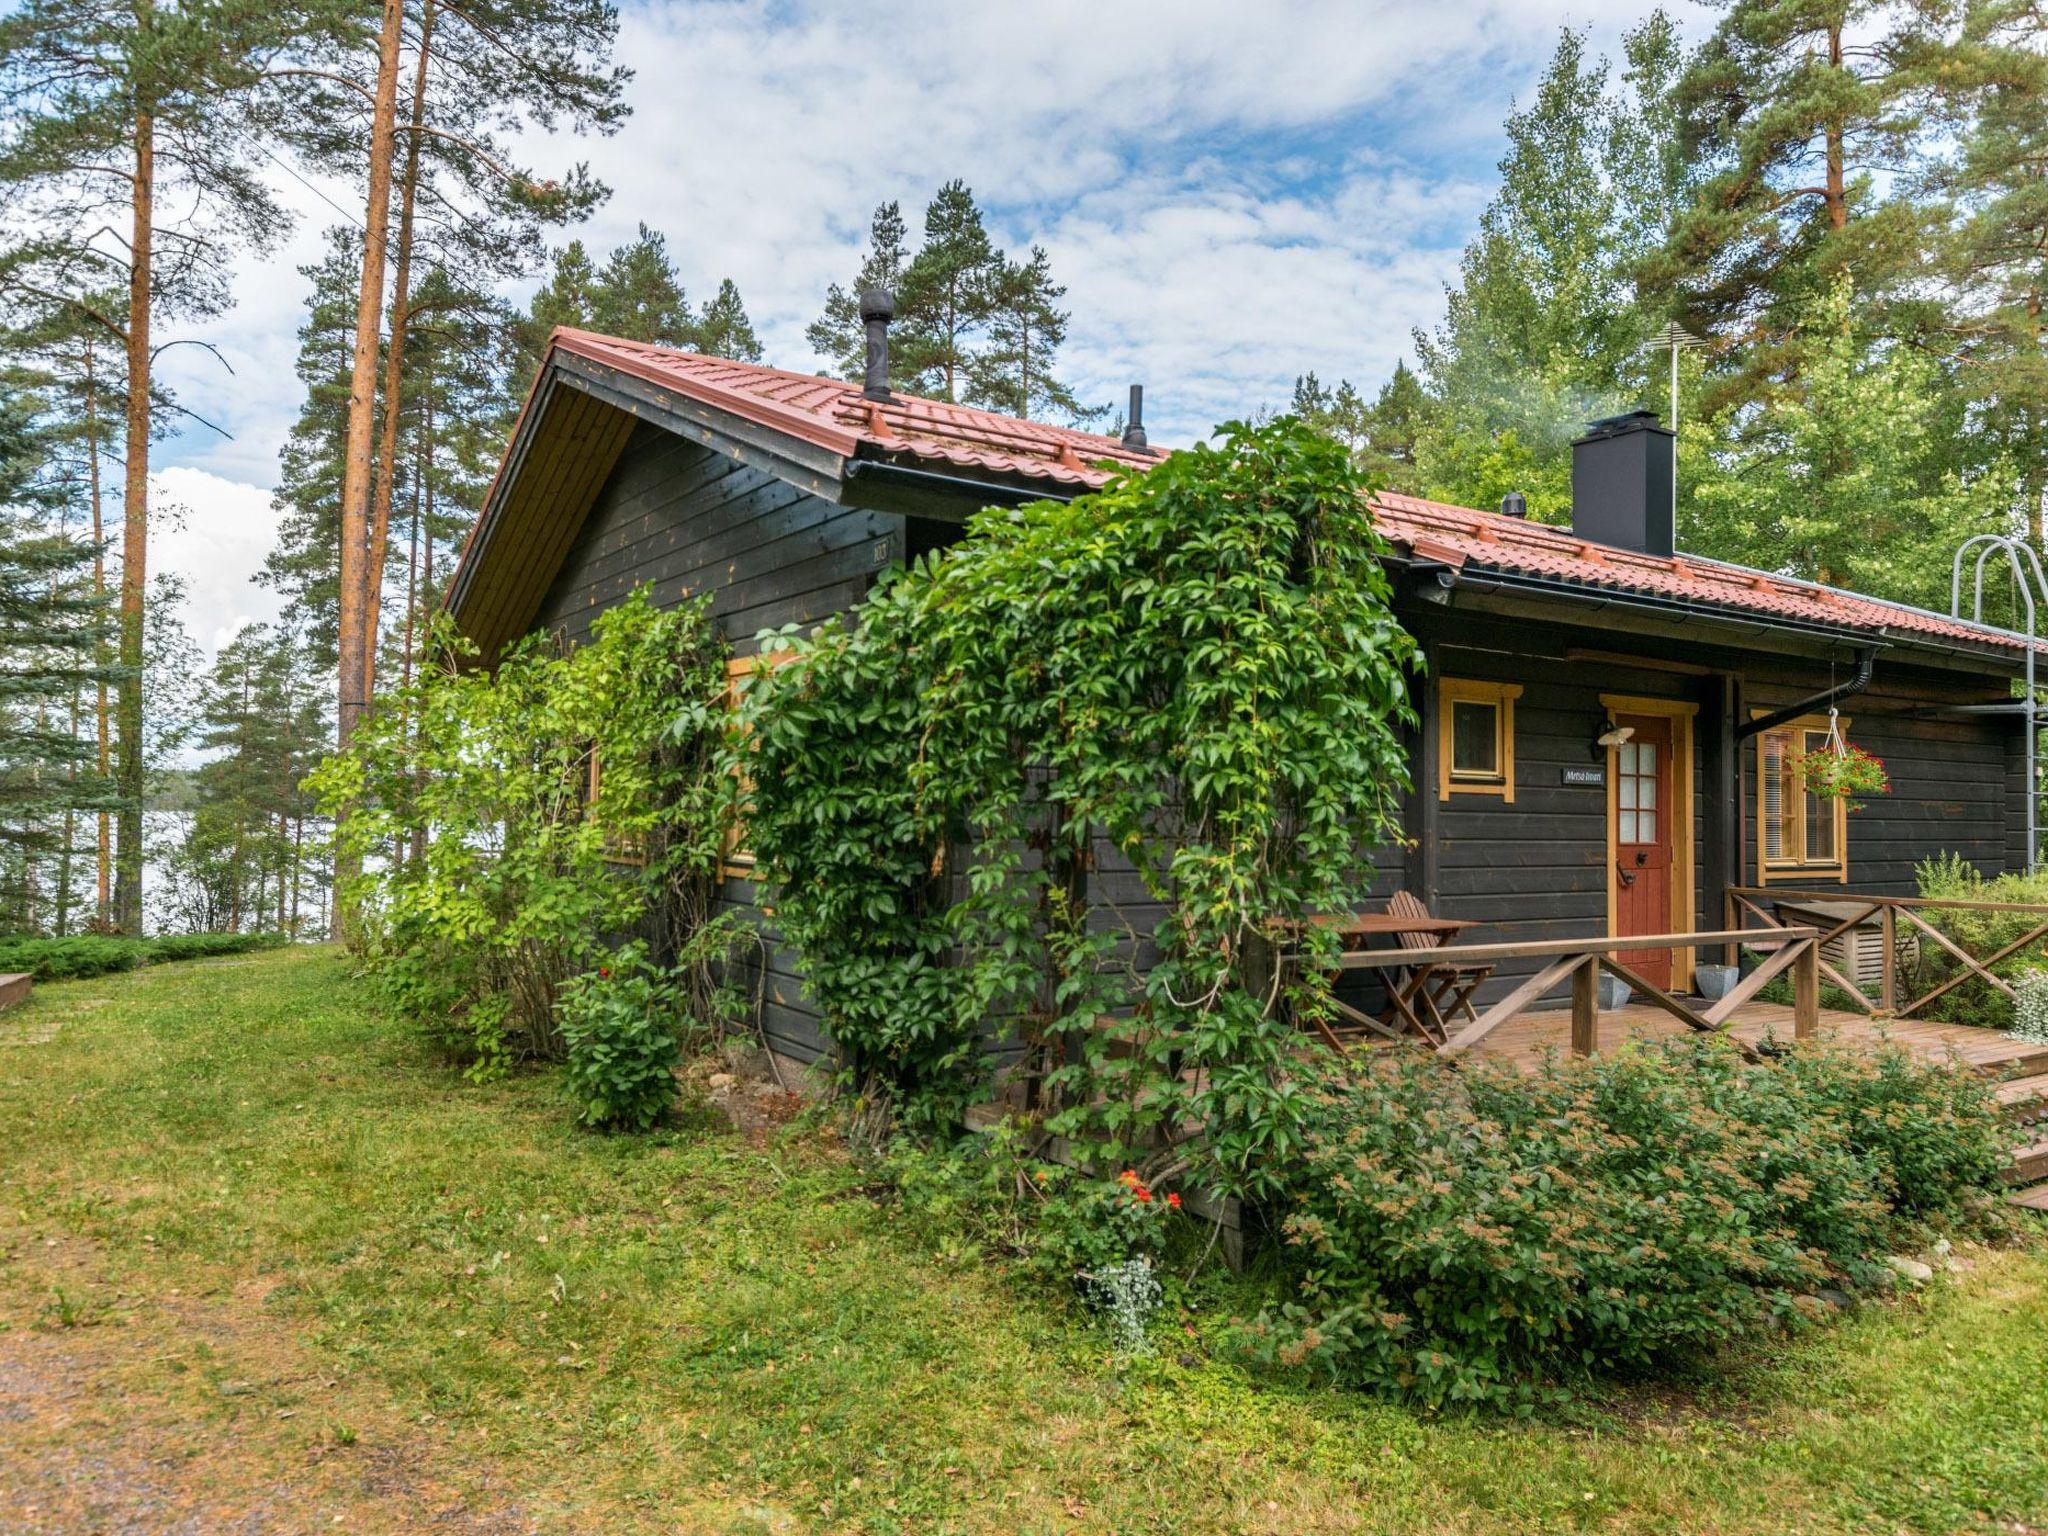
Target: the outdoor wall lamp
pixel 1611 735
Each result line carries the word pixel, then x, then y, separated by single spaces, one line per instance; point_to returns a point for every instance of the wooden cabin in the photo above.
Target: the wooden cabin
pixel 1610 728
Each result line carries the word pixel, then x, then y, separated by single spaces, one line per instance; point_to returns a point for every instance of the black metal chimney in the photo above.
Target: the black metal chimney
pixel 1623 476
pixel 1134 425
pixel 877 309
pixel 1514 504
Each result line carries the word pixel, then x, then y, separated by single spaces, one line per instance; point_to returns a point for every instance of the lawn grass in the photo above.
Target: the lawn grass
pixel 280 1252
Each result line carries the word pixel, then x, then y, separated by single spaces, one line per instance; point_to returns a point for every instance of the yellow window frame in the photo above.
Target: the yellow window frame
pixel 1797 864
pixel 1452 691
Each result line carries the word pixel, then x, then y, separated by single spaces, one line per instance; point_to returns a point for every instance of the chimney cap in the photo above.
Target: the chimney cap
pixel 877 304
pixel 1514 504
pixel 1626 421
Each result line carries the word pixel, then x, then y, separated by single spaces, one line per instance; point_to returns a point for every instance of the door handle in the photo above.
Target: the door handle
pixel 1628 877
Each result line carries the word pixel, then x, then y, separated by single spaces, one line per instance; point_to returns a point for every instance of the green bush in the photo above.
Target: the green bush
pixel 1473 1235
pixel 84 955
pixel 619 1027
pixel 552 806
pixel 1951 877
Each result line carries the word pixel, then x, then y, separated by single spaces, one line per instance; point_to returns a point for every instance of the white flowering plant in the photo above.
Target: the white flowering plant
pixel 2030 1007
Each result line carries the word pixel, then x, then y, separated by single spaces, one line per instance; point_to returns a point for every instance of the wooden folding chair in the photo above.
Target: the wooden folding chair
pixel 1426 996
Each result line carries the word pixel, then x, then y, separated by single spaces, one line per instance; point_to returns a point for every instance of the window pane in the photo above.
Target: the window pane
pixel 1649 783
pixel 1475 744
pixel 1776 771
pixel 1628 791
pixel 1820 830
pixel 1628 827
pixel 1646 826
pixel 1625 757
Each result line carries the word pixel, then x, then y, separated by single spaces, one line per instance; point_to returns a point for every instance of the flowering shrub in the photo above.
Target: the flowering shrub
pixel 2030 1010
pixel 1128 1294
pixel 1848 773
pixel 1469 1235
pixel 619 1025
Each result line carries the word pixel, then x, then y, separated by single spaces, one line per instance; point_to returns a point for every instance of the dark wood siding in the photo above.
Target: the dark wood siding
pixel 686 520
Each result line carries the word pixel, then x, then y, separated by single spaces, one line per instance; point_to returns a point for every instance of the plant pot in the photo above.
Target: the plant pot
pixel 1715 981
pixel 1613 992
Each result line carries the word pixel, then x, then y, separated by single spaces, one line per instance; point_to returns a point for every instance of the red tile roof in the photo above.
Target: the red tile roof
pixel 1460 536
pixel 834 415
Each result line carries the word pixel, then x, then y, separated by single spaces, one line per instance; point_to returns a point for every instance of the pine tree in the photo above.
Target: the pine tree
pixel 838 335
pixel 1996 259
pixel 1382 435
pixel 723 329
pixel 241 864
pixel 640 297
pixel 130 156
pixel 567 298
pixel 945 296
pixel 1796 117
pixel 477 81
pixel 1026 327
pixel 53 636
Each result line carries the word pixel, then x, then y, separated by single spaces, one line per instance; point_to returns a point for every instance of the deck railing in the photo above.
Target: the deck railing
pixel 1902 928
pixel 1580 961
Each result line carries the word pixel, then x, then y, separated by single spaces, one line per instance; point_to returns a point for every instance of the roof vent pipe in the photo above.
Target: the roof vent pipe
pixel 877 309
pixel 1514 504
pixel 1134 425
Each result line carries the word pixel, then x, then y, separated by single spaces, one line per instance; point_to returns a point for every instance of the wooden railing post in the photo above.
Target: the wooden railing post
pixel 1888 990
pixel 1731 954
pixel 1806 990
pixel 1586 1007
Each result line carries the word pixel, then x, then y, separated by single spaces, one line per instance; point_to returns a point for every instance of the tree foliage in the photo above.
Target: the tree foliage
pixel 514 824
pixel 1210 693
pixel 971 325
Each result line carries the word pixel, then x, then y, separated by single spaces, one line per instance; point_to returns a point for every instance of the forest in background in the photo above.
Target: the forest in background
pixel 1840 212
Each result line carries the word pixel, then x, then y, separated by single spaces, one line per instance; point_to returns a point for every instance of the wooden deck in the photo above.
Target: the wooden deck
pixel 1524 1039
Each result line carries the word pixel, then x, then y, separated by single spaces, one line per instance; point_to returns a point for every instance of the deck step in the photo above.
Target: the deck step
pixel 2029 1164
pixel 2026 1060
pixel 2034 1197
pixel 14 988
pixel 2023 1100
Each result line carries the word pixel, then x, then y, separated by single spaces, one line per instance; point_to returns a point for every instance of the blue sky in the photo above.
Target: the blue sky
pixel 1234 193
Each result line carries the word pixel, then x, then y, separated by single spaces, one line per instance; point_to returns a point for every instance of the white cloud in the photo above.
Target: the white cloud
pixel 213 532
pixel 1234 193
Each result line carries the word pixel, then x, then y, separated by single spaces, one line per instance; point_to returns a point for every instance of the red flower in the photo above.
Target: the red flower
pixel 605 972
pixel 1142 1194
pixel 1173 1199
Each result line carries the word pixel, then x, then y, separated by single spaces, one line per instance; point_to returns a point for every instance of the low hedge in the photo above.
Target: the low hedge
pixel 83 955
pixel 1479 1235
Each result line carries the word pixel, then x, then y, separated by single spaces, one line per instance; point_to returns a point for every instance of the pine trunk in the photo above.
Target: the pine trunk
pixel 362 404
pixel 135 528
pixel 1838 187
pixel 103 888
pixel 394 366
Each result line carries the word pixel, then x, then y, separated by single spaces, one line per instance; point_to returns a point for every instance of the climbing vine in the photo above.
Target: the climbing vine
pixel 1056 786
pixel 515 825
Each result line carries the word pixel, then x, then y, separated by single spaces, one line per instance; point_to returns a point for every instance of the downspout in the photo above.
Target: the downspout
pixel 1865 661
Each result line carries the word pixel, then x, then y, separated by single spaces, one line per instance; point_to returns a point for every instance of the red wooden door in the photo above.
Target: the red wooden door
pixel 1641 809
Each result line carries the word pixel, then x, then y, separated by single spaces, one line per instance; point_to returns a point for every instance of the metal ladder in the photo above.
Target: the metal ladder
pixel 2021 562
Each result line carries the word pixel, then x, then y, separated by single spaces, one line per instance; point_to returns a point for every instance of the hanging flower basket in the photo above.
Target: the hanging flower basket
pixel 1844 772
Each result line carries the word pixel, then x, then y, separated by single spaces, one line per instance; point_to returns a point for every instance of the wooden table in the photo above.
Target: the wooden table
pixel 1410 1000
